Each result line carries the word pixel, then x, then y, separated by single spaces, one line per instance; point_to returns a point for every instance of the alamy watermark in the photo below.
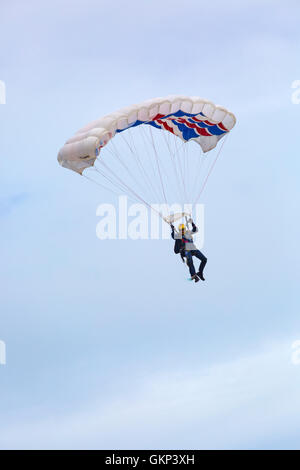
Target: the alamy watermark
pixel 295 98
pixel 2 353
pixel 137 222
pixel 295 358
pixel 2 92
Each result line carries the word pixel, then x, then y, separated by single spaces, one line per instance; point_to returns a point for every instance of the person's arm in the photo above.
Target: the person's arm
pixel 194 228
pixel 173 231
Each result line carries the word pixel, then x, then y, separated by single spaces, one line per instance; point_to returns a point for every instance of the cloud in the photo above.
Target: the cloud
pixel 246 403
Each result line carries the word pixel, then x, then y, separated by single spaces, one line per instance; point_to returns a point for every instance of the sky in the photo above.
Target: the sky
pixel 107 344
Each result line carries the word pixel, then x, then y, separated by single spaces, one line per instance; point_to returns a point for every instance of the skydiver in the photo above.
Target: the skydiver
pixel 185 246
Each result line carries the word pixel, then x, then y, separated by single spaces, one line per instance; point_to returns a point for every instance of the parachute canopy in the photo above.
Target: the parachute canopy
pixel 170 219
pixel 189 118
pixel 144 151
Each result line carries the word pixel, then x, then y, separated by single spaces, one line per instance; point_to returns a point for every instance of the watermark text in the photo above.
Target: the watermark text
pixel 2 92
pixel 295 98
pixel 2 353
pixel 295 358
pixel 137 222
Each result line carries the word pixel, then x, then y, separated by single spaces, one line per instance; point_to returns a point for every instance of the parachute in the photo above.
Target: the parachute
pixel 148 150
pixel 170 219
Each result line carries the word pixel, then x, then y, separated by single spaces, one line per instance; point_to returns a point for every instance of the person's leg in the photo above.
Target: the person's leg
pixel 189 260
pixel 203 260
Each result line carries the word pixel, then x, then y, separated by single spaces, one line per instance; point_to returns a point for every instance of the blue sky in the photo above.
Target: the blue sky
pixel 107 344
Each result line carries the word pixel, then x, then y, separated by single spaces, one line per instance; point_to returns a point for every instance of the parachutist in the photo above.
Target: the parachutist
pixel 185 246
pixel 188 118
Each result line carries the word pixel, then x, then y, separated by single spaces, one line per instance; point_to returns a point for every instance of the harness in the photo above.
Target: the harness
pixel 183 252
pixel 186 240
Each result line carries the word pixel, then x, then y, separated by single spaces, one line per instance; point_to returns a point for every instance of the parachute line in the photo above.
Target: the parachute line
pixel 209 172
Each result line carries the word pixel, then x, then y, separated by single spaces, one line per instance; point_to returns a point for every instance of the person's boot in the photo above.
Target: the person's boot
pixel 195 278
pixel 201 268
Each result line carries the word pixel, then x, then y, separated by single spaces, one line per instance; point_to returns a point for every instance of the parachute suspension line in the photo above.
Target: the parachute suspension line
pixel 183 156
pixel 193 164
pixel 185 170
pixel 174 155
pixel 99 184
pixel 152 165
pixel 134 198
pixel 181 169
pixel 135 155
pixel 115 154
pixel 105 187
pixel 119 186
pixel 131 191
pixel 167 137
pixel 179 155
pixel 172 152
pixel 158 167
pixel 209 172
pixel 176 164
pixel 179 150
pixel 137 181
pixel 201 160
pixel 119 183
pixel 137 161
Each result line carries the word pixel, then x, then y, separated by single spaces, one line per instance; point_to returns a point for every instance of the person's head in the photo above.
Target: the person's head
pixel 181 228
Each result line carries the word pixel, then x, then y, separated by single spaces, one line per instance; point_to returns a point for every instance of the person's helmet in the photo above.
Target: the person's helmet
pixel 181 227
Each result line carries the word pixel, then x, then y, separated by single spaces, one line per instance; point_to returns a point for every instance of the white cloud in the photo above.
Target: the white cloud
pixel 246 403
